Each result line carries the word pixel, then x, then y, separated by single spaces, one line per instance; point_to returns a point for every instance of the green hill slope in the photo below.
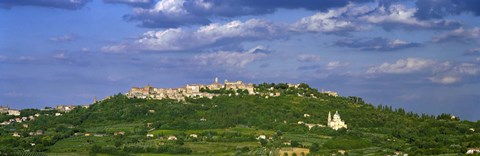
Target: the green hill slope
pixel 230 125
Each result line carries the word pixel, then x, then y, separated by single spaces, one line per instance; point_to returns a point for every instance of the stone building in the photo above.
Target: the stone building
pixel 335 122
pixel 330 93
pixel 239 85
pixel 215 85
pixel 4 109
pixel 190 90
pixel 13 112
pixel 65 108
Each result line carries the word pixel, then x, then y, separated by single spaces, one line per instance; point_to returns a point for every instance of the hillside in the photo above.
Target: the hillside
pixel 234 125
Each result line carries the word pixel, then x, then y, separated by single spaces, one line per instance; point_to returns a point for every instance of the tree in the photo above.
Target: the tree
pixel 263 142
pixel 294 143
pixel 314 147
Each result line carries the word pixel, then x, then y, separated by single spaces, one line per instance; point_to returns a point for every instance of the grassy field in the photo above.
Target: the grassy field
pixel 129 128
pixel 219 147
pixel 79 144
pixel 242 130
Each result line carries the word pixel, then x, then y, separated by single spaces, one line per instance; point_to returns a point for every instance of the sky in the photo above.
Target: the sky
pixel 422 55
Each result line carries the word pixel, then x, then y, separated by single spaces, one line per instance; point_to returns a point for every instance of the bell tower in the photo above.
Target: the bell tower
pixel 329 118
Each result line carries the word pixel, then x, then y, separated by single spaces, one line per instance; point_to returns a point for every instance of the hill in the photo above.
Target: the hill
pixel 238 125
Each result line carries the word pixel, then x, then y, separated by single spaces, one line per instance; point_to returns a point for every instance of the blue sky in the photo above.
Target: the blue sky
pixel 420 55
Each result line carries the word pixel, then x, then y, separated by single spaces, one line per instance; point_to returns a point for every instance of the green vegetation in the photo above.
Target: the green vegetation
pixel 231 125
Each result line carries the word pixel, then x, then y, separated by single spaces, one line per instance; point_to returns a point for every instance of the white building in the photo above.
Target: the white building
pixel 149 135
pixel 194 135
pixel 473 150
pixel 172 137
pixel 261 137
pixel 13 112
pixel 335 122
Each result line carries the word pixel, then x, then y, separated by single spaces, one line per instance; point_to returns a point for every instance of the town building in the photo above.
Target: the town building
pixel 190 91
pixel 335 122
pixel 330 93
pixel 65 108
pixel 4 109
pixel 13 112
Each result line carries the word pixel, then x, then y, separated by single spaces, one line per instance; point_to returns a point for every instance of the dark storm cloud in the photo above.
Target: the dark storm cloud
pixel 428 9
pixel 134 3
pixel 176 13
pixel 376 44
pixel 60 4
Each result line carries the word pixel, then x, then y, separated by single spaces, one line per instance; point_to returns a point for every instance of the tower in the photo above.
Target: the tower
pixel 329 118
pixel 95 99
pixel 216 80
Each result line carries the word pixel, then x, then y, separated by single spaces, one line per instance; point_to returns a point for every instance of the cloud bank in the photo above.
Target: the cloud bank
pixel 59 4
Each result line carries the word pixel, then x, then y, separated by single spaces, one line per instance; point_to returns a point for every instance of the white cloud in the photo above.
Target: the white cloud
pixel 459 35
pixel 361 17
pixel 231 59
pixel 402 66
pixel 398 15
pixel 170 7
pixel 376 44
pixel 335 64
pixel 130 2
pixel 467 68
pixel 114 48
pixel 63 38
pixel 172 13
pixel 331 21
pixel 308 58
pixel 440 72
pixel 60 56
pixel 26 58
pixel 85 50
pixel 444 79
pixel 215 34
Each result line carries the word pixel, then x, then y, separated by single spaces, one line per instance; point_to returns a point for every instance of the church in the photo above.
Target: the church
pixel 335 122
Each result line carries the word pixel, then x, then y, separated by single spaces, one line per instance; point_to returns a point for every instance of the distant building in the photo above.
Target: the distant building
pixel 194 135
pixel 190 90
pixel 65 108
pixel 16 134
pixel 13 112
pixel 330 93
pixel 39 132
pixel 4 109
pixel 149 135
pixel 335 122
pixel 473 151
pixel 261 137
pixel 172 137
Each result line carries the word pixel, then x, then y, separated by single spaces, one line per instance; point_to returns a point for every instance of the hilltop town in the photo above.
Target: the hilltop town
pixel 204 90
